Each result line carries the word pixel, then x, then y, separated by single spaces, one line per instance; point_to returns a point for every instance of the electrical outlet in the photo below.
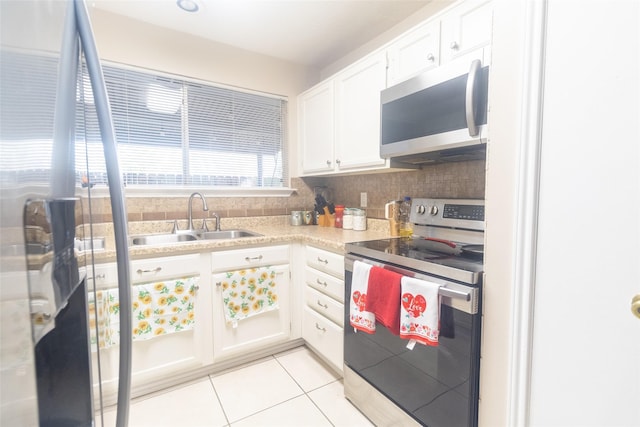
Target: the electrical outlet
pixel 363 200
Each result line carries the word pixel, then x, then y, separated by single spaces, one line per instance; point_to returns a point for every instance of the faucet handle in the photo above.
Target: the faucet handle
pixel 204 224
pixel 175 226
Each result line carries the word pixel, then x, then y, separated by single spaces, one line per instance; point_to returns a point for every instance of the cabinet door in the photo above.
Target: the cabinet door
pixel 156 358
pixel 358 113
pixel 316 123
pixel 466 30
pixel 237 335
pixel 414 52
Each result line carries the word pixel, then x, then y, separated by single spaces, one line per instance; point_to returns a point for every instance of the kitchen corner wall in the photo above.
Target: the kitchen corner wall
pixel 448 180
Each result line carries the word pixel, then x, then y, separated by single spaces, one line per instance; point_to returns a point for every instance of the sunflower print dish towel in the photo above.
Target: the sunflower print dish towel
pixel 158 308
pixel 246 293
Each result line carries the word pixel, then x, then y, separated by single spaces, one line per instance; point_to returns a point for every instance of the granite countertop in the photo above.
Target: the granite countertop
pixel 274 230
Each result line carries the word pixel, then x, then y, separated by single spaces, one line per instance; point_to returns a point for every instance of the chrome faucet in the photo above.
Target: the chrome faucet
pixel 217 217
pixel 204 207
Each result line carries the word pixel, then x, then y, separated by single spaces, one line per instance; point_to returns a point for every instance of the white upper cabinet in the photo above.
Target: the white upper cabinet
pixel 358 113
pixel 414 52
pixel 462 32
pixel 316 128
pixel 340 119
pixel 466 30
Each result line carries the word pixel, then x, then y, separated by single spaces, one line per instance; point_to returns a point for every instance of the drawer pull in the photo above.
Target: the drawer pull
pixel 255 258
pixel 218 284
pixel 318 327
pixel 154 270
pixel 321 283
pixel 324 261
pixel 322 305
pixel 98 277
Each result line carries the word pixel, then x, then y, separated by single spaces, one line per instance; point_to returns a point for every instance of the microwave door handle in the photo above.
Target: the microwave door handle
pixel 469 101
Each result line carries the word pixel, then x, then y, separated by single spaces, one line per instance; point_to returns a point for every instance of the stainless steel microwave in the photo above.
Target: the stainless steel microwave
pixel 439 115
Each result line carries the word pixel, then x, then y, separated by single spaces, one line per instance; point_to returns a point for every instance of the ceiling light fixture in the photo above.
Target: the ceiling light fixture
pixel 188 5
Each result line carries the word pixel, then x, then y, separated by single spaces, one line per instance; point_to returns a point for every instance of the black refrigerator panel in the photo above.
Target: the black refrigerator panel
pixel 63 367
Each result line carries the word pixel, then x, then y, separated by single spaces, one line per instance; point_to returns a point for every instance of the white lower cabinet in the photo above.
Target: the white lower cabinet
pixel 171 323
pixel 251 300
pixel 323 314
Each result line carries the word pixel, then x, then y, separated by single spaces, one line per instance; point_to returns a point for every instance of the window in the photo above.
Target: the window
pixel 173 132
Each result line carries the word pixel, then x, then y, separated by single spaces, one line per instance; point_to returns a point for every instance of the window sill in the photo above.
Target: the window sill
pixel 137 191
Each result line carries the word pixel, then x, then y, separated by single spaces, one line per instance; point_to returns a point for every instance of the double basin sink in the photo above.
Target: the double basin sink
pixel 190 236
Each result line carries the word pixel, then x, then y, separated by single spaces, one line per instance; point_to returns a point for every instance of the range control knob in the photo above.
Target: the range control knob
pixel 420 209
pixel 433 210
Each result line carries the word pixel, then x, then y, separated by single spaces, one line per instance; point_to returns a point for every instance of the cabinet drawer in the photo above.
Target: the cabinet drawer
pixel 325 261
pixel 324 336
pixel 146 270
pixel 249 257
pixel 106 275
pixel 325 283
pixel 324 305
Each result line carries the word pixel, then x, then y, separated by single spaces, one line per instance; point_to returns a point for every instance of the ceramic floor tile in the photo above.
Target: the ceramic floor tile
pixel 331 401
pixel 191 405
pixel 296 412
pixel 306 368
pixel 251 389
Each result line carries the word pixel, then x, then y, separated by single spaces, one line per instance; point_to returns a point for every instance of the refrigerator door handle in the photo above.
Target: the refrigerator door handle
pixel 118 207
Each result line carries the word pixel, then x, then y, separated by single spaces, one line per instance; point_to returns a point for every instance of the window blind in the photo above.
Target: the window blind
pixel 177 132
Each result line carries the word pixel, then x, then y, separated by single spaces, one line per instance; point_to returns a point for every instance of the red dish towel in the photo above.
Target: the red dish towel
pixel 383 298
pixel 359 317
pixel 420 311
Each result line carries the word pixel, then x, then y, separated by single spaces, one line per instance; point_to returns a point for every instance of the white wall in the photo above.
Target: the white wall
pixel 123 40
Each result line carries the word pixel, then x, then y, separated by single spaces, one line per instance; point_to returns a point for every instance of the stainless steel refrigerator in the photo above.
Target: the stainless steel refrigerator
pixel 45 365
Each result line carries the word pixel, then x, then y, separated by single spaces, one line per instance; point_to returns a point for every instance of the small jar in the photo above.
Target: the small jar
pixel 359 220
pixel 347 219
pixel 339 215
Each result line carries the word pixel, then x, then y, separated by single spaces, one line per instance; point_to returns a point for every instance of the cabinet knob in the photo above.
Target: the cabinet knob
pixel 635 306
pixel 454 45
pixel 328 162
pixel 338 161
pixel 430 57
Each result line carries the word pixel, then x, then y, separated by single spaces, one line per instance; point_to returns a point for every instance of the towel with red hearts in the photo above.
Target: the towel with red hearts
pixel 419 311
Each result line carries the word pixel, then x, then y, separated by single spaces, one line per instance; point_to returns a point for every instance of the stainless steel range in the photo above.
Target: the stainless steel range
pixel 438 385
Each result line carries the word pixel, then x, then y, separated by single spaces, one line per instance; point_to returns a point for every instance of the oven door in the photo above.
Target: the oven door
pixel 433 386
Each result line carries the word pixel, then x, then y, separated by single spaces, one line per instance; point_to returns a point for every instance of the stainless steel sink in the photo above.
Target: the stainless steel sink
pixel 226 234
pixel 163 239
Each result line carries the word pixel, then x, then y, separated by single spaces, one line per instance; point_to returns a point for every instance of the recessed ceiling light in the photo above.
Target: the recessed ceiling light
pixel 188 5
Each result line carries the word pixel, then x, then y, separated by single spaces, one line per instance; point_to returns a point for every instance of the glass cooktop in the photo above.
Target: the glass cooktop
pixel 423 255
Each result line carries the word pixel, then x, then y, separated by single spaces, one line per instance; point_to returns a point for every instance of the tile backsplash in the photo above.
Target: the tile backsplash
pixel 448 180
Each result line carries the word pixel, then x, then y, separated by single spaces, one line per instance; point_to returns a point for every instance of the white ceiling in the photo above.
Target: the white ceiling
pixel 309 32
